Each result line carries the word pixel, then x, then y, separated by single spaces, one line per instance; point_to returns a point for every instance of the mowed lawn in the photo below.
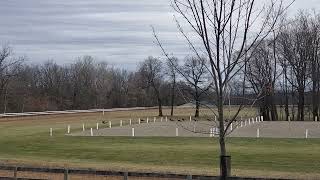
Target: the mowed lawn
pixel 27 141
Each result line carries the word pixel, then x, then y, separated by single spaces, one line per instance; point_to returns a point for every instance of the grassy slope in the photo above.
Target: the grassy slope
pixel 27 140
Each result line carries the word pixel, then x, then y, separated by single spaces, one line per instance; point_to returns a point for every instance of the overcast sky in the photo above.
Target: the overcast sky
pixel 116 31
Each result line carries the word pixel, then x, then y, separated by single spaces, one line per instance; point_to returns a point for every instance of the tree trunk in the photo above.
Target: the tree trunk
pixel 274 112
pixel 197 99
pixel 172 96
pixel 223 165
pixel 160 107
pixel 272 107
pixel 286 108
pixel 159 99
pixel 264 113
pixel 301 105
pixel 286 105
pixel 318 97
pixel 197 108
pixel 315 102
pixel 292 104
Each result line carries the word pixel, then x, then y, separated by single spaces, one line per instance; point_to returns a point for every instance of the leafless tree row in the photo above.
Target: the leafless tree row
pixel 88 84
pixel 298 52
pixel 279 73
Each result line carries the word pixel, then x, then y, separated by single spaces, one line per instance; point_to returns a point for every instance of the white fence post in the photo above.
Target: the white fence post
pixel 139 121
pixel 103 112
pixel 307 133
pixel 130 121
pixel 120 122
pixel 166 118
pixel 110 125
pixel 190 118
pixel 316 118
pixel 211 132
pixel 231 127
pixel 249 121
pixel 68 129
pixel 132 132
pixel 50 132
pixel 262 118
pixel 83 129
pixel 161 119
pixel 154 119
pixel 147 120
pixel 258 133
pixel 97 126
pixel 177 132
pixel 91 132
pixel 241 123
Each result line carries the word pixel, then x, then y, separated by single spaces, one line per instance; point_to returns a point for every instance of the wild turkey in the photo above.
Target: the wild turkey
pixel 104 122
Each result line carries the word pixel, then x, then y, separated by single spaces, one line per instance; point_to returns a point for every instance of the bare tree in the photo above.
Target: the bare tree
pixel 151 71
pixel 83 81
pixel 315 64
pixel 285 86
pixel 262 74
pixel 172 63
pixel 195 74
pixel 226 30
pixel 103 85
pixel 9 68
pixel 296 44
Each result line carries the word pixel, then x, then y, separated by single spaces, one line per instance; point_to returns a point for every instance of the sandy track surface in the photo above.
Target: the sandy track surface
pixel 281 129
pixel 166 129
pixel 202 129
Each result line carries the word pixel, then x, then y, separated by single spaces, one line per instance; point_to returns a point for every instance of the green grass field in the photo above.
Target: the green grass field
pixel 27 141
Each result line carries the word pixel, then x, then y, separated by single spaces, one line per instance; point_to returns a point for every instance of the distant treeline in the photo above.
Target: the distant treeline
pixel 279 71
pixel 84 84
pixel 88 84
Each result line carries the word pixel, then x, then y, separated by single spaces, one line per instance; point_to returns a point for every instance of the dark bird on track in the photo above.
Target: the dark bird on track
pixel 142 120
pixel 103 122
pixel 183 119
pixel 171 119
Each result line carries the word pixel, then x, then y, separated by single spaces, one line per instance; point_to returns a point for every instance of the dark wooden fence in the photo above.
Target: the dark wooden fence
pixel 124 175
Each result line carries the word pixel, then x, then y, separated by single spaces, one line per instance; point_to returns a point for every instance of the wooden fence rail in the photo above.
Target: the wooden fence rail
pixel 125 175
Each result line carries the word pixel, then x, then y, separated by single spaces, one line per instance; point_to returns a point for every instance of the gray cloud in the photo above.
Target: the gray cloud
pixel 117 31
